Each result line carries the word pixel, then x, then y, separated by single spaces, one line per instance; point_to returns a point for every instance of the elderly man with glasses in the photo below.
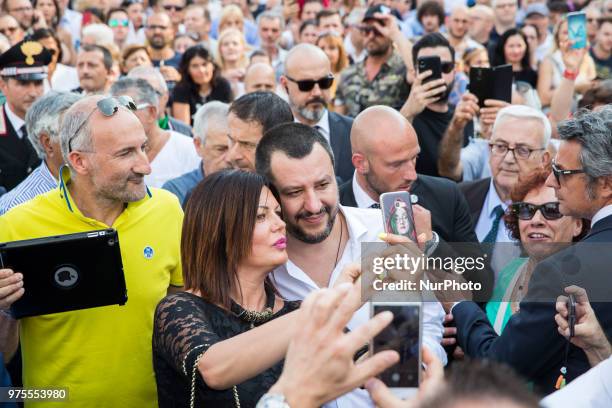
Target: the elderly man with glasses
pixel 107 349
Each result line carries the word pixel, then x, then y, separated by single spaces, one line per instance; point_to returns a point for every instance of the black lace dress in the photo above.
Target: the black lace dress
pixel 185 326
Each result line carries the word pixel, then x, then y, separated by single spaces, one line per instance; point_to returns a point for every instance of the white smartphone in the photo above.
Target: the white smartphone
pixel 404 335
pixel 397 214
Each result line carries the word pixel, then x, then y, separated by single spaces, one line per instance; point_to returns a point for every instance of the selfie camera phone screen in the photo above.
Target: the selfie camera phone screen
pixel 402 335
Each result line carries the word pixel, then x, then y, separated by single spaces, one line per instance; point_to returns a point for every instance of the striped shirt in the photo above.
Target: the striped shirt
pixel 38 182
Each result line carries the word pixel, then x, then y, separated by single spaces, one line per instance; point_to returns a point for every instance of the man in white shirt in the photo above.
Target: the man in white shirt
pixel 323 236
pixel 170 153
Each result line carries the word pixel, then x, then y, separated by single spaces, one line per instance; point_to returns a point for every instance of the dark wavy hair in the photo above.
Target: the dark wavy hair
pixel 191 53
pixel 500 57
pixel 217 233
pixel 523 187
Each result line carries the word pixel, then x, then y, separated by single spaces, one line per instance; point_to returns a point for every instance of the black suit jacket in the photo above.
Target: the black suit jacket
pixel 17 156
pixel 475 193
pixel 340 140
pixel 450 219
pixel 530 342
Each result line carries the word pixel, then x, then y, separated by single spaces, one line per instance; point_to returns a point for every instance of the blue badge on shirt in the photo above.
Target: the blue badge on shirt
pixel 148 252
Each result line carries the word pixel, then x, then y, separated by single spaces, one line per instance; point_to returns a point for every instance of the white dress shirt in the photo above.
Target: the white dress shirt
pixel 363 225
pixel 15 120
pixel 601 214
pixel 362 198
pixel 592 389
pixel 322 126
pixel 502 254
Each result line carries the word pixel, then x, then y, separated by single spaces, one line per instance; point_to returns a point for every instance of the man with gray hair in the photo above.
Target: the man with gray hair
pixel 211 144
pixel 170 154
pixel 103 143
pixel 270 26
pixel 157 81
pixel 530 343
pixel 42 123
pixel 517 148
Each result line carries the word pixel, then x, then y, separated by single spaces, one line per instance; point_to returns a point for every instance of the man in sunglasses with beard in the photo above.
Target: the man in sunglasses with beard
pixel 307 81
pixel 108 349
pixel 427 106
pixel 381 78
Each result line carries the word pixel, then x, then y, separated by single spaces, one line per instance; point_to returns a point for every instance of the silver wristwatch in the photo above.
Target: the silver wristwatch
pixel 432 244
pixel 272 401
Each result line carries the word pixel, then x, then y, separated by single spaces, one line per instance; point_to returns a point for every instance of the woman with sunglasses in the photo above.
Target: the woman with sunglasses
pixel 200 82
pixel 534 220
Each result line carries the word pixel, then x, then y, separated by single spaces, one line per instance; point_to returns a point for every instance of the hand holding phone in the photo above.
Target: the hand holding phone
pixel 571 315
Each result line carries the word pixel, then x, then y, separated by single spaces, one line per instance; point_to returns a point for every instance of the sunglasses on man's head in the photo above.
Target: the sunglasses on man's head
pixel 526 211
pixel 108 107
pixel 306 85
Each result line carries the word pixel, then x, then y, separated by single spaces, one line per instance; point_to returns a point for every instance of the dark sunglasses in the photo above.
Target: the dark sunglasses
pixel 108 106
pixel 447 67
pixel 367 30
pixel 306 85
pixel 560 172
pixel 172 7
pixel 526 211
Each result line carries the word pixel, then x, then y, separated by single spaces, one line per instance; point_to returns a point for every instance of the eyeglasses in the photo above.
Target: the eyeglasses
pixel 142 106
pixel 113 22
pixel 526 211
pixel 519 151
pixel 561 172
pixel 306 85
pixel 173 7
pixel 108 106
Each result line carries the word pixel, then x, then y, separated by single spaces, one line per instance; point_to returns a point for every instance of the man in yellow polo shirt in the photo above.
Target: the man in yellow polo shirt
pixel 102 355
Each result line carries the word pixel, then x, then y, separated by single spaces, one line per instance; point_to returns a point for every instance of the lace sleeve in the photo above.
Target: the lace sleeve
pixel 182 331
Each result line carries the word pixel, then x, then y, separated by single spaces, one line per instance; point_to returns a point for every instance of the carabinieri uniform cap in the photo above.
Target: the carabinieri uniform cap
pixel 25 61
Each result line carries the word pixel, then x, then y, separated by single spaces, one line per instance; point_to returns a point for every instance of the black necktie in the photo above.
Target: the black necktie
pixel 24 132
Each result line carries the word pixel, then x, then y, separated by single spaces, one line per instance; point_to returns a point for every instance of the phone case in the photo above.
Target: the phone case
pixel 397 214
pixel 432 63
pixel 576 29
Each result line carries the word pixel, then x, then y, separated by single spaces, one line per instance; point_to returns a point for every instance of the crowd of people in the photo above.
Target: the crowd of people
pixel 240 150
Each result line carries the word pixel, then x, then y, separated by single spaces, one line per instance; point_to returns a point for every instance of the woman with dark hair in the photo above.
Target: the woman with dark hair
pixel 513 49
pixel 534 221
pixel 51 12
pixel 61 77
pixel 200 83
pixel 220 343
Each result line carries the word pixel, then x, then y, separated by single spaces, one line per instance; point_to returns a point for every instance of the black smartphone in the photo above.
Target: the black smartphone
pixel 431 63
pixel 491 83
pixel 571 316
pixel 403 335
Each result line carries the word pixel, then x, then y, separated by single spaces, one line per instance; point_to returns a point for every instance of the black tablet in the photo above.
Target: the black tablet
pixel 66 272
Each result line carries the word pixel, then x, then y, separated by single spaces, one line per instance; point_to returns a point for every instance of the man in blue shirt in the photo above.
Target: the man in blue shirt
pixel 210 138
